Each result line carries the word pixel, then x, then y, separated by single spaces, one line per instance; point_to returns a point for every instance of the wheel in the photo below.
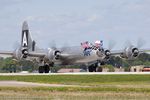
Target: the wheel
pixel 93 67
pixel 51 64
pixel 46 69
pixel 102 63
pixel 90 68
pixel 41 70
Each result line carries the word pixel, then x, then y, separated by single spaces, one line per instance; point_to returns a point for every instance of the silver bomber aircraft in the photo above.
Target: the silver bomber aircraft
pixel 87 54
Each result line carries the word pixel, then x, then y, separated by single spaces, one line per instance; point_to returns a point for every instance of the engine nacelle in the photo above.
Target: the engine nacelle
pixel 107 54
pixel 130 53
pixel 53 54
pixel 135 52
pixel 57 54
pixel 104 54
pixel 17 54
pixel 24 53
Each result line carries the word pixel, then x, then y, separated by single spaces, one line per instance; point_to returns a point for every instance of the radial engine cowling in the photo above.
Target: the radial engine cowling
pixel 24 53
pixel 135 52
pixel 53 54
pixel 107 54
pixel 104 53
pixel 130 53
pixel 17 54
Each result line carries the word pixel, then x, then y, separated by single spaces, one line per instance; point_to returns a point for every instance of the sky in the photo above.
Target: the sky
pixel 70 22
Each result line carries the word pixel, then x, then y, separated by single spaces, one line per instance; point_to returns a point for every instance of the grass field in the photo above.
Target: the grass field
pixel 91 87
pixel 82 79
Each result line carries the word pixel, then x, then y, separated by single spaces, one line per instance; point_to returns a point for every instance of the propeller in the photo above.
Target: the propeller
pixel 133 50
pixel 111 44
pixel 16 45
pixel 140 43
pixel 58 52
pixel 128 43
pixel 52 45
pixel 65 47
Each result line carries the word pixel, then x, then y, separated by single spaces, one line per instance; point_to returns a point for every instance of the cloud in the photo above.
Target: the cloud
pixel 65 20
pixel 6 3
pixel 93 18
pixel 52 20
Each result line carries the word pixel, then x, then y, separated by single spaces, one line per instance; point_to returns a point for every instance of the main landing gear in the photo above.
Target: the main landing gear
pixel 93 67
pixel 45 68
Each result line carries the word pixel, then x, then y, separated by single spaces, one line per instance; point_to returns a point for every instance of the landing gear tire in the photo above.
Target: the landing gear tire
pixel 46 69
pixel 103 63
pixel 41 70
pixel 92 68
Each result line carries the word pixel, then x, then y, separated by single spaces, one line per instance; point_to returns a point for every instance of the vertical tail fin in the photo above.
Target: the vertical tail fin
pixel 25 35
pixel 26 41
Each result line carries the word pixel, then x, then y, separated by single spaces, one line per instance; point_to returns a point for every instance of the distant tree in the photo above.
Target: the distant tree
pixel 144 57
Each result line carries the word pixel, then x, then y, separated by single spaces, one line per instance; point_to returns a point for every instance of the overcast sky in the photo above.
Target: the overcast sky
pixel 73 21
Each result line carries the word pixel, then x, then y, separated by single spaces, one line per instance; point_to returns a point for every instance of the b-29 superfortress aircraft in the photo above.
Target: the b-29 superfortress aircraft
pixel 87 54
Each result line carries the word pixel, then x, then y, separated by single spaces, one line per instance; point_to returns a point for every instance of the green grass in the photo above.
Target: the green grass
pixel 116 83
pixel 78 78
pixel 82 79
pixel 105 87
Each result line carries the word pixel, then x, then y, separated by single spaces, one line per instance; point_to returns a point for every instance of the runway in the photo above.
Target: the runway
pixel 80 73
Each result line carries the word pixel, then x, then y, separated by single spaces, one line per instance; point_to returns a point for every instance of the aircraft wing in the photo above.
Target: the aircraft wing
pixel 36 54
pixel 63 58
pixel 118 52
pixel 144 50
pixel 6 53
pixel 42 54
